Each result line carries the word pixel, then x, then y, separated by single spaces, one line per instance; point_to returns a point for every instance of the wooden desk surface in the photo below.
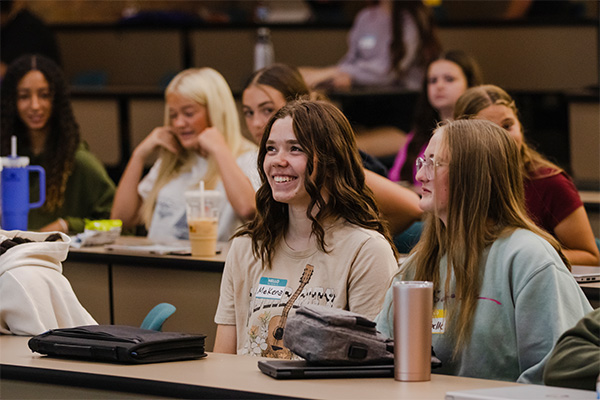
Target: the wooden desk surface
pixel 121 286
pixel 218 375
pixel 135 257
pixel 589 197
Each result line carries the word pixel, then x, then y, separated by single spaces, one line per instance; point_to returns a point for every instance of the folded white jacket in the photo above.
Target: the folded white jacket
pixel 34 294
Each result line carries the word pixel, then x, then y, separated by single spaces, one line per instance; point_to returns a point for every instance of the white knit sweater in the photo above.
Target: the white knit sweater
pixel 34 294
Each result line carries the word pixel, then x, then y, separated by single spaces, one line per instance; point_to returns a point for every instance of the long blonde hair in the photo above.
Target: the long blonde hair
pixel 486 201
pixel 475 99
pixel 206 87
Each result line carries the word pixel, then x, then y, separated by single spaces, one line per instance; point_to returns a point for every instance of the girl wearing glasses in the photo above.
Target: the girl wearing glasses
pixel 487 260
pixel 551 198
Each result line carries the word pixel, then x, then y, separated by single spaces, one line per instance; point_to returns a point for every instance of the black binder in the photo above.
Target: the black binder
pixel 118 344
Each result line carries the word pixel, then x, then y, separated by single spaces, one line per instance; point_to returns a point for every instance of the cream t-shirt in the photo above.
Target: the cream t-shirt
pixel 354 276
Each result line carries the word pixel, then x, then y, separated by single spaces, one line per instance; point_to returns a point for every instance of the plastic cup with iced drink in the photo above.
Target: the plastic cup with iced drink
pixel 202 208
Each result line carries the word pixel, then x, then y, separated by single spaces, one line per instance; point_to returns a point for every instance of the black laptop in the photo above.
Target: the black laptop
pixel 300 369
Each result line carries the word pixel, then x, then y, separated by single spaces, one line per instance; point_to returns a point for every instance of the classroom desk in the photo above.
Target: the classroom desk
pixel 216 376
pixel 120 287
pixel 592 292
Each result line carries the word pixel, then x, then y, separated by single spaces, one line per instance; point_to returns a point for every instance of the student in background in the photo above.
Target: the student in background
pixel 575 360
pixel 201 140
pixel 390 43
pixel 36 108
pixel 551 198
pixel 448 76
pixel 270 88
pixel 316 238
pixel 500 281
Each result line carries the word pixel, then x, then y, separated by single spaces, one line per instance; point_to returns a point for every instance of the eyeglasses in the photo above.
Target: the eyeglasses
pixel 428 164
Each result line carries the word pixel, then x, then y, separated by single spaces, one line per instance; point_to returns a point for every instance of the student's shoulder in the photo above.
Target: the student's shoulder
pixel 248 157
pixel 87 163
pixel 83 156
pixel 358 237
pixel 523 241
pixel 240 246
pixel 526 252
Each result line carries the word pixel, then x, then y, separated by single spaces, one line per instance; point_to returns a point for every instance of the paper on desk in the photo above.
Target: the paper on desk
pixel 176 249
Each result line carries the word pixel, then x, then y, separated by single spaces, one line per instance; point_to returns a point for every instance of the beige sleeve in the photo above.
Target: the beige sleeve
pixel 370 276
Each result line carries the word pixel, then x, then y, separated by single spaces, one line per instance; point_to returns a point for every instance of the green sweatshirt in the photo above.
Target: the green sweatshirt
pixel 89 194
pixel 575 360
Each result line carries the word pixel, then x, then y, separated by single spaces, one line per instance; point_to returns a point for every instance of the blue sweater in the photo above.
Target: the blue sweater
pixel 528 298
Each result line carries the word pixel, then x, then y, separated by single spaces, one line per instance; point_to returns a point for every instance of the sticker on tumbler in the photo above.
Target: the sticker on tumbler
pixel 438 321
pixel 271 288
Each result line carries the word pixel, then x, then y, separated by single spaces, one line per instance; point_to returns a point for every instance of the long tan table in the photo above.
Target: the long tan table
pixel 216 376
pixel 121 286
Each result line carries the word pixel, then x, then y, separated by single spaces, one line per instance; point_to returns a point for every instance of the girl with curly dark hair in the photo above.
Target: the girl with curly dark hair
pixel 316 221
pixel 36 108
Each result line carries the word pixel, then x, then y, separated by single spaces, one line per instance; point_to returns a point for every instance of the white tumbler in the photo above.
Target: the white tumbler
pixel 413 307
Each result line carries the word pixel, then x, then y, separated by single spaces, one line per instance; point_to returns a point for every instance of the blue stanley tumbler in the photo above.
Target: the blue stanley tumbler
pixel 15 190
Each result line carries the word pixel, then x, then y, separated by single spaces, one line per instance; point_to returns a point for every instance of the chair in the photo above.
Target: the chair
pixel 157 316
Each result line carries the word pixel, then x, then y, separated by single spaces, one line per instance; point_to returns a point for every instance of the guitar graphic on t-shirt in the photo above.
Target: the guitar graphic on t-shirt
pixel 275 347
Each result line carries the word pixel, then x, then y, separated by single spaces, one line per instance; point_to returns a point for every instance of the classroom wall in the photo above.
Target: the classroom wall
pixel 517 57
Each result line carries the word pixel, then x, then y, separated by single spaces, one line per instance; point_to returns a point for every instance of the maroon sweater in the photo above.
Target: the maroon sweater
pixel 550 200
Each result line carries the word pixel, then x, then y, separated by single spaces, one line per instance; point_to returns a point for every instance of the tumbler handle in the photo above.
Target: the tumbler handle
pixel 42 185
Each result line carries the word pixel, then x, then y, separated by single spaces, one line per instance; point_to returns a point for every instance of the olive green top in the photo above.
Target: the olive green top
pixel 89 194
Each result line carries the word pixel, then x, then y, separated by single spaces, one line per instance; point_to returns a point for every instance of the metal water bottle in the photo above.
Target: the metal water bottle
pixel 264 54
pixel 413 304
pixel 15 189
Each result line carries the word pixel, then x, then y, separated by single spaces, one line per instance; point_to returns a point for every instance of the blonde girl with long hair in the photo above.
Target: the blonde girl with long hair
pixel 502 291
pixel 551 198
pixel 200 140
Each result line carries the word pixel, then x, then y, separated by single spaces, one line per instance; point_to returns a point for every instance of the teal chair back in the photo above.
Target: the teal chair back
pixel 157 316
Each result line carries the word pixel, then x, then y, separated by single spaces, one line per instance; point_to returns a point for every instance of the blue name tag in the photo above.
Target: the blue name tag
pixel 271 288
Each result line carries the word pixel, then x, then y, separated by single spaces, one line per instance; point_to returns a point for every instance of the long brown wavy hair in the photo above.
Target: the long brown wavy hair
pixel 486 201
pixel 58 156
pixel 535 165
pixel 334 167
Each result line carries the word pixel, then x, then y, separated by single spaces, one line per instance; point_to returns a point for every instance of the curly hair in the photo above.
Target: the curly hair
pixel 63 137
pixel 334 168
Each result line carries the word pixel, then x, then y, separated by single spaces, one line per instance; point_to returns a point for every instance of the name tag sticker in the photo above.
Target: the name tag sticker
pixel 367 42
pixel 271 288
pixel 438 321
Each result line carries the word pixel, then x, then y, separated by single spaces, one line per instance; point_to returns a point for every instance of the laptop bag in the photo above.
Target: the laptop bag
pixel 118 344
